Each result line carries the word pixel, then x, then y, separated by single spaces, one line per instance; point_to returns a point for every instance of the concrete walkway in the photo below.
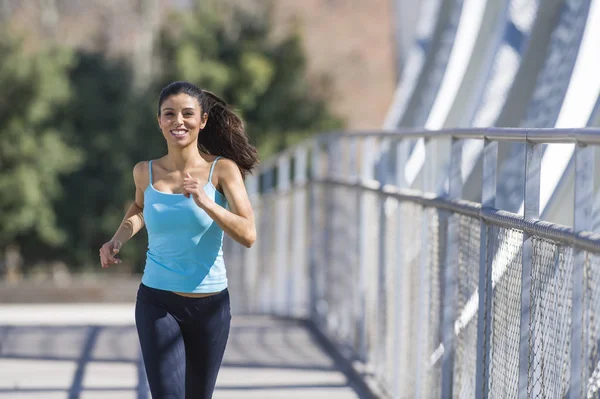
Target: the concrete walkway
pixel 91 351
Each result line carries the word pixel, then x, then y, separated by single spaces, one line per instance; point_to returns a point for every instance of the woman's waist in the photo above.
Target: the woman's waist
pixel 190 278
pixel 186 264
pixel 185 251
pixel 167 296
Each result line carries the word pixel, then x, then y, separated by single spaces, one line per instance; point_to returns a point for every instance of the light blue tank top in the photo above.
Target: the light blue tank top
pixel 185 246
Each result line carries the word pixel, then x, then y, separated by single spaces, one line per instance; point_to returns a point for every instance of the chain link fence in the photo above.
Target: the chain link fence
pixel 427 296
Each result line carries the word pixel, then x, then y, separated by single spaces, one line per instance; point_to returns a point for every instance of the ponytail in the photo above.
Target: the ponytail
pixel 225 134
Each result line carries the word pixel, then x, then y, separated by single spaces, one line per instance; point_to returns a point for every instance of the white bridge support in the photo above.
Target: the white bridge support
pixel 425 293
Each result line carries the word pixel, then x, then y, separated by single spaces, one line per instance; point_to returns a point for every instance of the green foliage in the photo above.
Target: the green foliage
pixel 72 126
pixel 232 52
pixel 115 128
pixel 34 89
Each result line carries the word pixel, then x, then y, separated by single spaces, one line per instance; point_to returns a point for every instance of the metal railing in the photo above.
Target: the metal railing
pixel 428 295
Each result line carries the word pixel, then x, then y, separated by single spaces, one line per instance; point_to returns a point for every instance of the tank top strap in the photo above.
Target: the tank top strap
pixel 212 168
pixel 150 173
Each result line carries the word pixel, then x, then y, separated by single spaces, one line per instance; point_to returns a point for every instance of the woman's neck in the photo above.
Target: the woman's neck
pixel 184 158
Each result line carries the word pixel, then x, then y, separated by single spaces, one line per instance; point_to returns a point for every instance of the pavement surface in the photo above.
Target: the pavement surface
pixel 91 351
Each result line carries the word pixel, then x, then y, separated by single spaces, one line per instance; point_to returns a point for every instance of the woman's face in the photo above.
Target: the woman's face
pixel 181 119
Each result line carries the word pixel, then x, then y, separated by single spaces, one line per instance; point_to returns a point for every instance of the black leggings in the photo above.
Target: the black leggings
pixel 183 340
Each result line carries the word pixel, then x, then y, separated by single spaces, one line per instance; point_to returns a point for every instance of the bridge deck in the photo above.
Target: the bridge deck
pixel 91 351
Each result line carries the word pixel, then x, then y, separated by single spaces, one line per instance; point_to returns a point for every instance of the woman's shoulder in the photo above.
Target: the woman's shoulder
pixel 141 168
pixel 227 171
pixel 141 173
pixel 225 165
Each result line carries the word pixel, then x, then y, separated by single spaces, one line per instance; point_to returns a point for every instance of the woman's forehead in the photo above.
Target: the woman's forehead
pixel 180 100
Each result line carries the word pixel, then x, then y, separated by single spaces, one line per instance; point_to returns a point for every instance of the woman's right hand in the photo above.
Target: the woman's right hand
pixel 108 252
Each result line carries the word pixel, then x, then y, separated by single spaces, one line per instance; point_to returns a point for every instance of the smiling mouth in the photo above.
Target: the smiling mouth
pixel 179 132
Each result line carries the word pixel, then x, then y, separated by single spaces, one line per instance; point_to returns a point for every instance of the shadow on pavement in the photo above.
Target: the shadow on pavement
pixel 72 360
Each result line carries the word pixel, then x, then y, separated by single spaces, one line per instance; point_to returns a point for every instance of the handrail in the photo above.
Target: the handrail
pixel 508 261
pixel 582 136
pixel 587 136
pixel 586 240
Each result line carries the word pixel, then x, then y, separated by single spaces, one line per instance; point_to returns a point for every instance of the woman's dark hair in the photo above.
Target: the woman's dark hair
pixel 224 133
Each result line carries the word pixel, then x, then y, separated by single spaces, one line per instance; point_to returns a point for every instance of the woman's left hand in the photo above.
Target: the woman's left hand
pixel 194 188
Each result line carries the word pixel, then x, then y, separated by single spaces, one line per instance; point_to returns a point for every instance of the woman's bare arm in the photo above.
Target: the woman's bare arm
pixel 238 220
pixel 133 221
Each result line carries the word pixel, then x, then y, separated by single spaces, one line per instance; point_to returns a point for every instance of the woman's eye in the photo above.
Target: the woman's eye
pixel 169 114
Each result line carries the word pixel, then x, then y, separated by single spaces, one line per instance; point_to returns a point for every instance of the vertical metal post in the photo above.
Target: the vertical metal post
pixel 355 316
pixel 423 292
pixel 488 200
pixel 402 154
pixel 266 253
pixel 348 260
pixel 268 180
pixel 450 270
pixel 596 205
pixel 366 174
pixel 353 166
pixel 582 220
pixel 282 234
pixel 297 280
pixel 533 158
pixel 315 242
pixel 331 241
pixel 250 261
pixel 380 359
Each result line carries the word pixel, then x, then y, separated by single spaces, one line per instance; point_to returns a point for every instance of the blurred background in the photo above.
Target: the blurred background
pixel 350 267
pixel 79 83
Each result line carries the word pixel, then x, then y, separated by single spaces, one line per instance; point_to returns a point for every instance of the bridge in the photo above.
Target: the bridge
pixel 431 293
pixel 421 260
pixel 92 351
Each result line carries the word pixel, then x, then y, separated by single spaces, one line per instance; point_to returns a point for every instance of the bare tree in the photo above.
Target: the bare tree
pixel 49 16
pixel 5 10
pixel 143 54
